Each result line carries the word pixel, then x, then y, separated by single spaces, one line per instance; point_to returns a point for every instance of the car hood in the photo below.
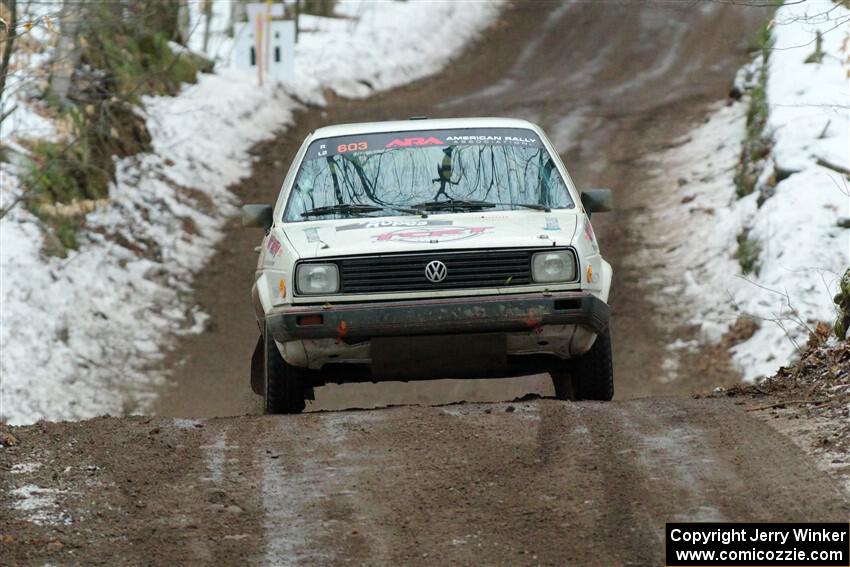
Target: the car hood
pixel 497 229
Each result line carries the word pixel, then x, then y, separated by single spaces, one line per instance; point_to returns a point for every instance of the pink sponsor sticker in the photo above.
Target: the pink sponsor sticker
pixel 443 234
pixel 273 246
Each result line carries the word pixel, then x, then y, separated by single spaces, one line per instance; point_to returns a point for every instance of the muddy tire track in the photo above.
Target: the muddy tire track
pixel 533 483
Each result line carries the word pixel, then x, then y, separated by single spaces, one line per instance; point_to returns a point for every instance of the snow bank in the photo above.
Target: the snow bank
pixel 803 250
pixel 371 45
pixel 403 41
pixel 79 335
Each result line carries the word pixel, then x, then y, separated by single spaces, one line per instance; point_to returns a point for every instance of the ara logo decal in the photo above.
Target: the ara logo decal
pixel 432 234
pixel 408 142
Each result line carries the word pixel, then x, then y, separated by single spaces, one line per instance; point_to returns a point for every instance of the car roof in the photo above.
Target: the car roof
pixel 421 124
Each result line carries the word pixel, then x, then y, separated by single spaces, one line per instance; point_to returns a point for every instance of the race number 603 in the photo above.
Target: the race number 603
pixel 352 147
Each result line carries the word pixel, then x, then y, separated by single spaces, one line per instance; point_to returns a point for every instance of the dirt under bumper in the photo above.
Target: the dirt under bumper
pixel 358 322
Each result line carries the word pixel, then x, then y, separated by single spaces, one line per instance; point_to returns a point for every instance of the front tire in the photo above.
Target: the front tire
pixel 588 377
pixel 284 390
pixel 562 380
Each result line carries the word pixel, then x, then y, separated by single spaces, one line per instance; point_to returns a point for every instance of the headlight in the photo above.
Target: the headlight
pixel 555 266
pixel 316 279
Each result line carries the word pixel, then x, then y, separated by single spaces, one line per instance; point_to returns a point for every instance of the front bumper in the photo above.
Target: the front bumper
pixel 359 322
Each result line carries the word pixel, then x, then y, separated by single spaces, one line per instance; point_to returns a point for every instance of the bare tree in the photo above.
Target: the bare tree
pixel 67 51
pixel 207 9
pixel 237 14
pixel 184 21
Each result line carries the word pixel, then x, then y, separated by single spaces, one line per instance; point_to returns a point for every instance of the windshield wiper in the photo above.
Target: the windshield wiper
pixel 453 204
pixel 408 210
pixel 535 206
pixel 358 208
pixel 341 208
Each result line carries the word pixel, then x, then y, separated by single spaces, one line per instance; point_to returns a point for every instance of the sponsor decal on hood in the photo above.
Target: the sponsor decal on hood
pixel 393 223
pixel 451 231
pixel 312 234
pixel 426 234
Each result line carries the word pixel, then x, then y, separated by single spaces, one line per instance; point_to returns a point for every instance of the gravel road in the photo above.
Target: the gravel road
pixel 538 482
pixel 532 482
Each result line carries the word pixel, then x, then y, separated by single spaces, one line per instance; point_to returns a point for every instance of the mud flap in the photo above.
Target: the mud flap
pixel 257 368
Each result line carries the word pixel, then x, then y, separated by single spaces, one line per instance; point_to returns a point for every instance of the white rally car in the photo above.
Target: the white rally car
pixel 429 249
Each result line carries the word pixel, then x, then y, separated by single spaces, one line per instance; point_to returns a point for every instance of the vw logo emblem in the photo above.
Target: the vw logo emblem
pixel 435 271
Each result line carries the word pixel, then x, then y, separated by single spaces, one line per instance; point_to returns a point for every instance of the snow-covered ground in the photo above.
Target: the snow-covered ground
pixel 78 334
pixel 803 251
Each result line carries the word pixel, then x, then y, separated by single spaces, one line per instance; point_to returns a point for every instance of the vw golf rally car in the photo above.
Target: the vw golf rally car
pixel 424 249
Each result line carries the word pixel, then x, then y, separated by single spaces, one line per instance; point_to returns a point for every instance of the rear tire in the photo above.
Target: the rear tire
pixel 284 384
pixel 588 377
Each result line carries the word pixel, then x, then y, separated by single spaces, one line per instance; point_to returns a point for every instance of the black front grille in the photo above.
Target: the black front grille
pixel 406 272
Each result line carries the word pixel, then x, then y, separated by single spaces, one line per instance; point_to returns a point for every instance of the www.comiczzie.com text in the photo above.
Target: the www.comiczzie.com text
pixel 758 544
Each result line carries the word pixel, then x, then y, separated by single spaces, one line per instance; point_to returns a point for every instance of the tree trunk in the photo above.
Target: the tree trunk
pixel 184 22
pixel 208 15
pixel 67 51
pixel 238 14
pixel 206 8
pixel 297 16
pixel 8 46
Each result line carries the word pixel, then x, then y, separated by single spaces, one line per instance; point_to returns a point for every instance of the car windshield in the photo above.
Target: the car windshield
pixel 431 171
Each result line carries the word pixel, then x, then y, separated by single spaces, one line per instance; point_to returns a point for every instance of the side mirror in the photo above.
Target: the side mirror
pixel 597 201
pixel 257 216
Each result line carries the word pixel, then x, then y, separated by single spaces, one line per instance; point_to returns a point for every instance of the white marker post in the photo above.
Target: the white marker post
pixel 267 20
pixel 267 42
